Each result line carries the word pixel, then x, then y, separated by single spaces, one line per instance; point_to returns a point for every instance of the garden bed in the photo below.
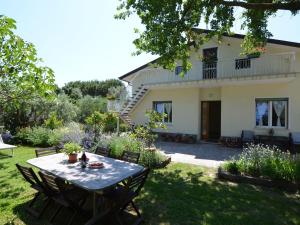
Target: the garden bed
pixel 240 178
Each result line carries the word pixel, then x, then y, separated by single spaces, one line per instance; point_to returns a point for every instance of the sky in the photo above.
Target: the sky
pixel 80 39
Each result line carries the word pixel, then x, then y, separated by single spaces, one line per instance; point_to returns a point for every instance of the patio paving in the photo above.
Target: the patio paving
pixel 204 154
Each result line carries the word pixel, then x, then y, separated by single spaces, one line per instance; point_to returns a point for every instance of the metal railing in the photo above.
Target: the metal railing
pixel 283 63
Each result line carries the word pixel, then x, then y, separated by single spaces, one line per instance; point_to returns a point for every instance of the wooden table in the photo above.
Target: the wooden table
pixel 93 180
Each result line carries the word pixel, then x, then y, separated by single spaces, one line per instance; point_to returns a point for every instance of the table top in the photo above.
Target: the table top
pixel 113 172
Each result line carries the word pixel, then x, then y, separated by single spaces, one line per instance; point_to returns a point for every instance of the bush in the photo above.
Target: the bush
pixel 123 143
pixel 265 161
pixel 72 132
pixel 53 122
pixel 88 105
pixel 149 158
pixel 39 136
pixel 231 167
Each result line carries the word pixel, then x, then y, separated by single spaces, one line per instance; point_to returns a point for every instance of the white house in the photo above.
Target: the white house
pixel 224 96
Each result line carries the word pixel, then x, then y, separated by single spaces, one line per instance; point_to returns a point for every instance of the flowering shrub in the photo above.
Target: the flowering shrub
pixel 118 144
pixel 270 162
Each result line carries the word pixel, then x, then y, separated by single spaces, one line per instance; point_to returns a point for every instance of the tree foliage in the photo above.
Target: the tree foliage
pixel 93 88
pixel 21 73
pixel 169 24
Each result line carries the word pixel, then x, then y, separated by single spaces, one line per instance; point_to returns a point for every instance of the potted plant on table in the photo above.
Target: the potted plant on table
pixel 72 149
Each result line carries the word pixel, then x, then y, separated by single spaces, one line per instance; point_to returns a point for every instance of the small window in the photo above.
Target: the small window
pixel 164 108
pixel 178 70
pixel 242 63
pixel 271 113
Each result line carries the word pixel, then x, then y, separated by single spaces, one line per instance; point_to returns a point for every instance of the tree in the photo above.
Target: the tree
pixel 169 24
pixel 93 88
pixel 88 105
pixel 21 73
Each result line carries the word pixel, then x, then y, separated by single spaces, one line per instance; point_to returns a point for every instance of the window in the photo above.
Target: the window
pixel 272 112
pixel 242 63
pixel 210 58
pixel 166 108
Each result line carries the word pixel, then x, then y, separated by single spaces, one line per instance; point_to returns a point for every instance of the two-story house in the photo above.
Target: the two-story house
pixel 223 95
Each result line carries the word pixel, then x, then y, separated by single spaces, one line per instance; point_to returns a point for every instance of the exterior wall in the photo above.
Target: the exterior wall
pixel 273 61
pixel 185 106
pixel 238 107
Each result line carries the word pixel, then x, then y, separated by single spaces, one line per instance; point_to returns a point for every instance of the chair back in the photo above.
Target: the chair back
pixel 247 135
pixel 1 140
pixel 132 157
pixel 39 152
pixel 50 183
pixel 295 137
pixel 29 175
pixel 137 181
pixel 102 151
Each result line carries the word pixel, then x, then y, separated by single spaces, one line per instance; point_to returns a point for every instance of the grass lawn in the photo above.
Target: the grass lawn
pixel 180 194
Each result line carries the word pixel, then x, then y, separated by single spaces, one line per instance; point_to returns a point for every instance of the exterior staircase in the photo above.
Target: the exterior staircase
pixel 131 103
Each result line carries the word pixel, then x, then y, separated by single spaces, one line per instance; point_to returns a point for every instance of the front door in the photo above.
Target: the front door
pixel 211 120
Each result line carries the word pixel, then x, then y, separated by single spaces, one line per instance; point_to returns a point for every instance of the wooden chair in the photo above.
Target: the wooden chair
pixel 132 157
pixel 102 151
pixel 39 152
pixel 294 141
pixel 247 137
pixel 65 195
pixel 35 183
pixel 123 196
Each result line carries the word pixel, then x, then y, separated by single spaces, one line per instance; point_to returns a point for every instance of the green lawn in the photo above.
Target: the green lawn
pixel 179 194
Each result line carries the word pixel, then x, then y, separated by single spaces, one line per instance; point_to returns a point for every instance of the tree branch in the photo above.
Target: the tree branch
pixel 291 6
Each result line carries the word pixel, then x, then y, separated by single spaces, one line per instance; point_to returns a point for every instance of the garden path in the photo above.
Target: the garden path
pixel 204 154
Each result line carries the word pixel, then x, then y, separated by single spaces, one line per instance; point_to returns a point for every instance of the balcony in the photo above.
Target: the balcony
pixel 277 64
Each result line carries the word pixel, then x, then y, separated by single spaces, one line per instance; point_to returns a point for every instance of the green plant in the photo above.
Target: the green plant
pixel 119 144
pixel 146 133
pixel 39 136
pixel 53 122
pixel 151 158
pixel 231 167
pixel 265 161
pixel 22 135
pixel 72 148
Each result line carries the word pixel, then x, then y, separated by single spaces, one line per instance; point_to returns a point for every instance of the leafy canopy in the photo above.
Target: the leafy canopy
pixel 21 73
pixel 169 24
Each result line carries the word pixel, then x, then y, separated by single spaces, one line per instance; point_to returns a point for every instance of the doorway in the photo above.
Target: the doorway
pixel 211 120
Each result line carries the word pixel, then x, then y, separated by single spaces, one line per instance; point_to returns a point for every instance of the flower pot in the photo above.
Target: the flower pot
pixel 72 158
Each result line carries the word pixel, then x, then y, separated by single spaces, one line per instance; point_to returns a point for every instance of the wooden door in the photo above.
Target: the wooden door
pixel 211 120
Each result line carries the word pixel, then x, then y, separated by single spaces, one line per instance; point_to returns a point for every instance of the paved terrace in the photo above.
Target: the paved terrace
pixel 204 154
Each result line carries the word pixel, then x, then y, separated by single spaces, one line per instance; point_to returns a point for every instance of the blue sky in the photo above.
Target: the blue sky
pixel 80 40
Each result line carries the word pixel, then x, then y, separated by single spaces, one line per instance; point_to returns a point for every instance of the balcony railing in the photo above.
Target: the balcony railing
pixel 225 68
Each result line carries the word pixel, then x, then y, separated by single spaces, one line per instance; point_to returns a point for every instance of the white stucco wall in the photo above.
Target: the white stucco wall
pixel 238 106
pixel 185 103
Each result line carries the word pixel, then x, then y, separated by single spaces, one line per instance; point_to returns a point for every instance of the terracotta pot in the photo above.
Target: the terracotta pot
pixel 72 158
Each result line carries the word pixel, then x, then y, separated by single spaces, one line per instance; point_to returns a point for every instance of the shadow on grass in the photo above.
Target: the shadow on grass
pixel 195 199
pixel 177 195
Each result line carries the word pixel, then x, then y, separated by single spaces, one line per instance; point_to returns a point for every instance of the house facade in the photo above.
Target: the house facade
pixel 224 94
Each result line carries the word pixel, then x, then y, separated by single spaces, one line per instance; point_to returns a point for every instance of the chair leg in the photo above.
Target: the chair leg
pixel 72 218
pixel 55 214
pixel 34 199
pixel 136 209
pixel 118 219
pixel 31 203
pixel 48 201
